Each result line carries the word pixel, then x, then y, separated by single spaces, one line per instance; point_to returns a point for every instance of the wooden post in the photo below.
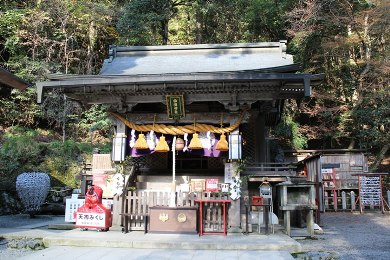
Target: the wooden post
pixel 388 197
pixel 353 202
pixel 343 200
pixel 310 223
pixel 287 222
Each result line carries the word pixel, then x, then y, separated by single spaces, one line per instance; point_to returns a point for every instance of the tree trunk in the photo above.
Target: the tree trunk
pixel 379 157
pixel 164 32
pixel 91 44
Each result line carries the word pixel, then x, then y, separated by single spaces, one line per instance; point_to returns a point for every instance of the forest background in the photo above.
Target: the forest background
pixel 347 40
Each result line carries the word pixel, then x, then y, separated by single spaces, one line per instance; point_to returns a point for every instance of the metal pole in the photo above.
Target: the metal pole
pixel 172 202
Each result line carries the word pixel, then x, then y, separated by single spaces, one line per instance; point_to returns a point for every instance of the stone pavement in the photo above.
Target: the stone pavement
pixel 67 253
pixel 72 244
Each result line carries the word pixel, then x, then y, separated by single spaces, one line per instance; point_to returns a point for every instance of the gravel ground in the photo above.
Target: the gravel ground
pixel 346 236
pixel 18 248
pixel 10 253
pixel 350 236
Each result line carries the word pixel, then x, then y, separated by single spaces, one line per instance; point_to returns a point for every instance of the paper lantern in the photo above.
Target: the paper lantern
pixel 141 143
pixel 235 147
pixel 195 143
pixel 162 145
pixel 222 144
pixel 179 144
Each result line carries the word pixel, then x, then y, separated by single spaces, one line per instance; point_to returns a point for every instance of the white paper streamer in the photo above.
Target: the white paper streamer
pixel 186 142
pixel 132 140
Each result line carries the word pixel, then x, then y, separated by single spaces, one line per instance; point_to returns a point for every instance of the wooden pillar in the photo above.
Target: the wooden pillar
pixel 234 215
pixel 262 154
pixel 119 126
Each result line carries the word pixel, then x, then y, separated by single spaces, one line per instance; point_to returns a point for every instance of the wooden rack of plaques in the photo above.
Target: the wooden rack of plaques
pixel 370 191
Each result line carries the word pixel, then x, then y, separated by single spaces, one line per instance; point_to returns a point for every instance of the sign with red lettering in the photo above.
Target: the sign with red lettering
pixel 212 185
pixel 91 219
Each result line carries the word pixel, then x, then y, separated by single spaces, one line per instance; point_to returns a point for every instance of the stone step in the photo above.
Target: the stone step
pixel 136 239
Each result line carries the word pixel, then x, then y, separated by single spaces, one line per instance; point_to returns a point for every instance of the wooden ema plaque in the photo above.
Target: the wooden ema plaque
pixel 370 191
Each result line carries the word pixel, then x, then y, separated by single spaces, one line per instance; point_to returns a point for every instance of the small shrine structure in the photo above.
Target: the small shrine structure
pixel 189 115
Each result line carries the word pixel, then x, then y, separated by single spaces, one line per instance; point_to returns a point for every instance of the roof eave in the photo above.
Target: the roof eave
pixel 11 80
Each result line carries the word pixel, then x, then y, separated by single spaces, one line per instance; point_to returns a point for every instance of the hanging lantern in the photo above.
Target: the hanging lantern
pixel 179 144
pixel 235 145
pixel 118 148
pixel 141 143
pixel 162 145
pixel 195 143
pixel 222 144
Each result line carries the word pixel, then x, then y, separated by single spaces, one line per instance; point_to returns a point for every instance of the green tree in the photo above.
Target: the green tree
pixel 264 20
pixel 145 22
pixel 349 42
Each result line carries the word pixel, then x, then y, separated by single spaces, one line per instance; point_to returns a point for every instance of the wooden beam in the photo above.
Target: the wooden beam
pixel 11 80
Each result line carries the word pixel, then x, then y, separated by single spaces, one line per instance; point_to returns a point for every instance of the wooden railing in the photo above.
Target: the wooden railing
pixel 270 169
pixel 137 203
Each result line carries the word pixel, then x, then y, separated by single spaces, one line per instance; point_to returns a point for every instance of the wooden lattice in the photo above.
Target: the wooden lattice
pixel 157 161
pixel 249 143
pixel 215 163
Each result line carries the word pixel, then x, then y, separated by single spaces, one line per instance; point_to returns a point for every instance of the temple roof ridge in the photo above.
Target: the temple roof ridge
pixel 198 58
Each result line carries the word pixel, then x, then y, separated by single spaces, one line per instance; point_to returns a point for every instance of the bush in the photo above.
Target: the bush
pixel 21 152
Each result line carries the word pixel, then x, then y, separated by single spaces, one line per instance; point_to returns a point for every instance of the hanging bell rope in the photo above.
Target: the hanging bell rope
pixel 222 144
pixel 162 145
pixel 141 143
pixel 179 130
pixel 195 143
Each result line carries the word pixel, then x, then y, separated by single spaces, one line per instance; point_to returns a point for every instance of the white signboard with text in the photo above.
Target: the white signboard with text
pixel 90 219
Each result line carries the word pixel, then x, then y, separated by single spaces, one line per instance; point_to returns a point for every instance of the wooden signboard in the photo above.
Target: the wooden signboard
pixel 175 106
pixel 198 185
pixel 212 185
pixel 370 191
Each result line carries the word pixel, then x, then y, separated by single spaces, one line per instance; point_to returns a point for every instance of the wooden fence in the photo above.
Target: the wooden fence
pixel 137 203
pixel 343 201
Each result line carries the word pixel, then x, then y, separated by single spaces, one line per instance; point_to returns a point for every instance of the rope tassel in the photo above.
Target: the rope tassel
pixel 195 143
pixel 141 143
pixel 162 145
pixel 222 144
